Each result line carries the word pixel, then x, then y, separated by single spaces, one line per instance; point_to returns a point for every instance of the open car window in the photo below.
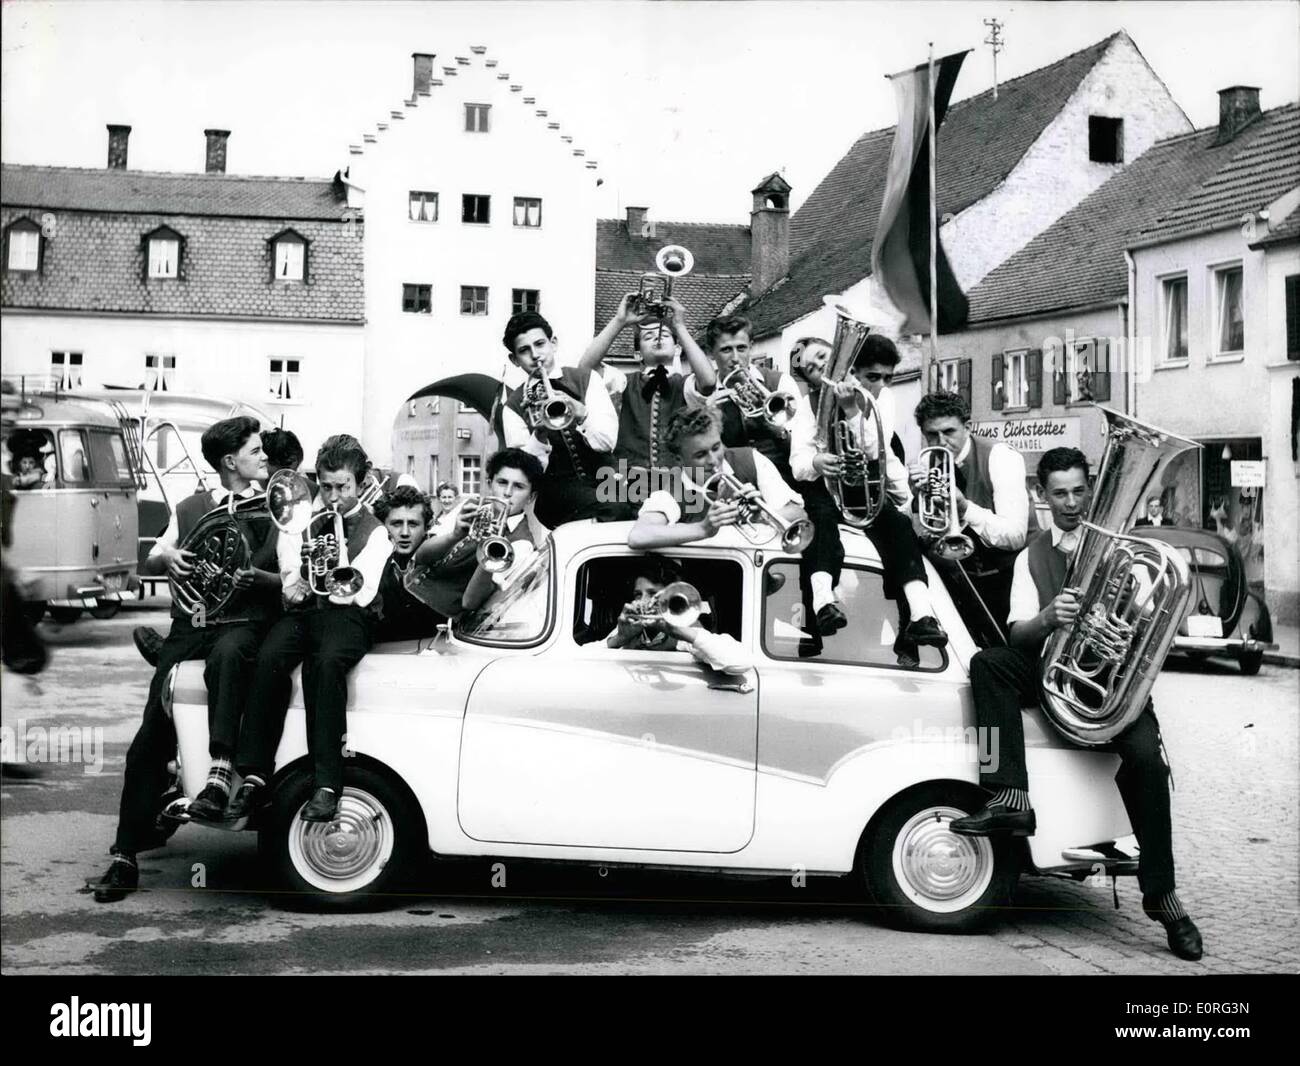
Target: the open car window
pixel 517 614
pixel 1200 556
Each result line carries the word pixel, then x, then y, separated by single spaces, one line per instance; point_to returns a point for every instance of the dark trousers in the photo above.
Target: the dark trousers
pixel 826 552
pixel 995 590
pixel 571 498
pixel 899 549
pixel 1006 679
pixel 231 651
pixel 329 642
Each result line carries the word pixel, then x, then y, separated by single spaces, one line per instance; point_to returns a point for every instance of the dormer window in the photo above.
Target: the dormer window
pixel 1105 139
pixel 24 247
pixel 289 256
pixel 165 248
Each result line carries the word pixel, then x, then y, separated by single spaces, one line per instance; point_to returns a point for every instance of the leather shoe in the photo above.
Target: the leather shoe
pixel 324 805
pixel 246 801
pixel 831 619
pixel 121 879
pixel 148 642
pixel 926 630
pixel 995 819
pixel 1184 939
pixel 209 805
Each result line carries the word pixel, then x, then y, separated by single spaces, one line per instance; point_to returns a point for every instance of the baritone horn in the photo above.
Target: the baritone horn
pixel 937 506
pixel 758 523
pixel 672 261
pixel 288 497
pixel 1096 674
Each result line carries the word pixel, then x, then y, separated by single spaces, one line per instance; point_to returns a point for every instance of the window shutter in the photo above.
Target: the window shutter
pixel 1292 316
pixel 181 265
pixel 999 386
pixel 1101 372
pixel 306 255
pixel 963 381
pixel 1034 374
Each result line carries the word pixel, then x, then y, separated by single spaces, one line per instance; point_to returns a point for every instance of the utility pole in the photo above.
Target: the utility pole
pixel 994 39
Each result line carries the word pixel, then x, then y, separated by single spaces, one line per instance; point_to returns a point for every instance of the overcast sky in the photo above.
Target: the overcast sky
pixel 685 105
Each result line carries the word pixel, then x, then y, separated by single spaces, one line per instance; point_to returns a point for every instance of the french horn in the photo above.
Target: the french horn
pixel 220 551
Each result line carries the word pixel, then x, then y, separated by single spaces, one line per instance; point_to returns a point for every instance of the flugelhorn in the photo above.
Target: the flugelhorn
pixel 672 261
pixel 859 488
pixel 545 407
pixel 288 497
pixel 1096 674
pixel 676 604
pixel 937 505
pixel 746 388
pixel 758 523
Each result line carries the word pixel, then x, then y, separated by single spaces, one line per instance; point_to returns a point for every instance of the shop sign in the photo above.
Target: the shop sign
pixel 1031 434
pixel 1247 473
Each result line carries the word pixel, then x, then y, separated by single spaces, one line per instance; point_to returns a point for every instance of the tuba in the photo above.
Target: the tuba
pixel 545 407
pixel 1096 674
pixel 758 523
pixel 747 390
pixel 672 261
pixel 938 505
pixel 220 551
pixel 288 497
pixel 677 604
pixel 859 488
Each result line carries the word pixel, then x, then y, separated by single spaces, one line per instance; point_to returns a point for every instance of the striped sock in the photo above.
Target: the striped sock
pixel 221 774
pixel 1017 799
pixel 1166 908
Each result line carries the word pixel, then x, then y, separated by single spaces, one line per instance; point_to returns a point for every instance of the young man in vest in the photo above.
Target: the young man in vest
pixel 891 532
pixel 233 448
pixel 327 633
pixel 455 580
pixel 573 457
pixel 407 515
pixel 992 502
pixel 1005 679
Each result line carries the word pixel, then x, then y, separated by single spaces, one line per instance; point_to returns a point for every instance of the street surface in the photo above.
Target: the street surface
pixel 1232 741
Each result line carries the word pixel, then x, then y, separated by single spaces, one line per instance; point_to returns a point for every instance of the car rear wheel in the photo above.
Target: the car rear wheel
pixel 354 860
pixel 1250 662
pixel 65 615
pixel 34 611
pixel 922 875
pixel 105 609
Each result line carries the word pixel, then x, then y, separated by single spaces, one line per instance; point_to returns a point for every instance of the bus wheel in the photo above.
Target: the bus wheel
pixel 105 609
pixel 65 615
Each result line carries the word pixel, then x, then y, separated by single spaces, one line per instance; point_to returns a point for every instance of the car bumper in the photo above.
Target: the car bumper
pixel 1222 645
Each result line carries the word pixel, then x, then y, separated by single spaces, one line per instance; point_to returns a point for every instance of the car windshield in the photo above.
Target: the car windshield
pixel 1202 556
pixel 517 613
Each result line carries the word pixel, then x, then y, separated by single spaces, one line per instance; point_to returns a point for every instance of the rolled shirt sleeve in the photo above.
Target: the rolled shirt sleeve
pixel 518 435
pixel 1007 524
pixel 803 441
pixel 600 427
pixel 170 537
pixel 662 502
pixel 774 489
pixel 288 556
pixel 1024 594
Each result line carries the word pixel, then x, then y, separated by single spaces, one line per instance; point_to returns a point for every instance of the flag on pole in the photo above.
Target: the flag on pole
pixel 900 254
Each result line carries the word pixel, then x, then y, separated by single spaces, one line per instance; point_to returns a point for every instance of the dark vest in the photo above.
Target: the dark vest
pixel 642 422
pixel 356 534
pixel 1047 566
pixel 738 432
pixel 261 536
pixel 446 583
pixel 571 455
pixel 401 615
pixel 975 484
pixel 694 506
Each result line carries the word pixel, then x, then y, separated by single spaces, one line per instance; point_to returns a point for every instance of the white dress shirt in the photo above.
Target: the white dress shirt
pixel 694 398
pixel 599 428
pixel 1024 593
pixel 216 497
pixel 1007 524
pixel 804 447
pixel 370 561
pixel 771 486
pixel 718 651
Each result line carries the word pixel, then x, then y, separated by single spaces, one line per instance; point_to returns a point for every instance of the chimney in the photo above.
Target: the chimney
pixel 1238 108
pixel 636 221
pixel 423 72
pixel 215 162
pixel 117 136
pixel 769 232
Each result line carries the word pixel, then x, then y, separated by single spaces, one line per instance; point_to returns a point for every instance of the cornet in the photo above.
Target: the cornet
pixel 545 407
pixel 288 497
pixel 672 261
pixel 758 522
pixel 372 487
pixel 487 529
pixel 938 505
pixel 677 604
pixel 747 390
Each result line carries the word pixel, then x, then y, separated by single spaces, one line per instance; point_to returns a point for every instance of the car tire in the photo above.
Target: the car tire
pixel 353 862
pixel 65 615
pixel 1250 662
pixel 105 609
pixel 923 877
pixel 33 611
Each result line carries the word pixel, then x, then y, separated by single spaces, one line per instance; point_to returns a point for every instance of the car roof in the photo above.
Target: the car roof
pixel 573 537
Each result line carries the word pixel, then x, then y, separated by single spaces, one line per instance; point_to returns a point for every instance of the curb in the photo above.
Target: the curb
pixel 1279 658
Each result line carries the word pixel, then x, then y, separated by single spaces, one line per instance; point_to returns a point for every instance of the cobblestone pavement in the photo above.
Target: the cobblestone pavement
pixel 1232 741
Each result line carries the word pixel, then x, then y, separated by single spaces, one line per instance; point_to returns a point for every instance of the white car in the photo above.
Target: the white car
pixel 519 734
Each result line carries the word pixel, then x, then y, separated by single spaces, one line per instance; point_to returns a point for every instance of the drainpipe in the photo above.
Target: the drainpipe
pixel 1130 338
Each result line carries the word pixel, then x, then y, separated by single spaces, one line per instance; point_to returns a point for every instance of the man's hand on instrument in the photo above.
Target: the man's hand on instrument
pixel 846 392
pixel 244 578
pixel 579 412
pixel 627 312
pixel 628 626
pixel 917 477
pixel 721 513
pixel 1063 610
pixel 180 563
pixel 678 321
pixel 827 465
pixel 467 512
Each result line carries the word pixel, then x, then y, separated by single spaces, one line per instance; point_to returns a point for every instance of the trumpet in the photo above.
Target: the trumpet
pixel 758 523
pixel 494 552
pixel 747 390
pixel 372 487
pixel 677 604
pixel 938 505
pixel 545 407
pixel 288 497
pixel 672 261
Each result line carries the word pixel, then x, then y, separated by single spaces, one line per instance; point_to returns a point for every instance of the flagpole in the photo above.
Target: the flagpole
pixel 934 244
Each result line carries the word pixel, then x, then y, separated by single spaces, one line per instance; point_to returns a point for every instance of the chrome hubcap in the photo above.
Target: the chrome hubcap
pixel 347 853
pixel 937 869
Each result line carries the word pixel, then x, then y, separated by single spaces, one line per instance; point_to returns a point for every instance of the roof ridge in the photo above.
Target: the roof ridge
pixel 114 172
pixel 665 222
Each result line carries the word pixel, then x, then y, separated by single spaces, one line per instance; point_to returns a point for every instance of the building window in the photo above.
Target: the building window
pixel 471 474
pixel 290 257
pixel 410 465
pixel 23 247
pixel 1173 296
pixel 433 474
pixel 473 300
pixel 1105 139
pixel 66 369
pixel 160 373
pixel 417 299
pixel 525 300
pixel 422 206
pixel 1087 373
pixel 284 380
pixel 1010 380
pixel 954 376
pixel 476 208
pixel 528 211
pixel 165 248
pixel 476 117
pixel 1293 316
pixel 1229 325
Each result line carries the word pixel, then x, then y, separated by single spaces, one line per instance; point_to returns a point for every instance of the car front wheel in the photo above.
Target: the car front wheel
pixel 922 875
pixel 354 860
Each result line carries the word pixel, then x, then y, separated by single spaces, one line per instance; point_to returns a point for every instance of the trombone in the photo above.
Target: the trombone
pixel 937 505
pixel 747 390
pixel 758 522
pixel 288 498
